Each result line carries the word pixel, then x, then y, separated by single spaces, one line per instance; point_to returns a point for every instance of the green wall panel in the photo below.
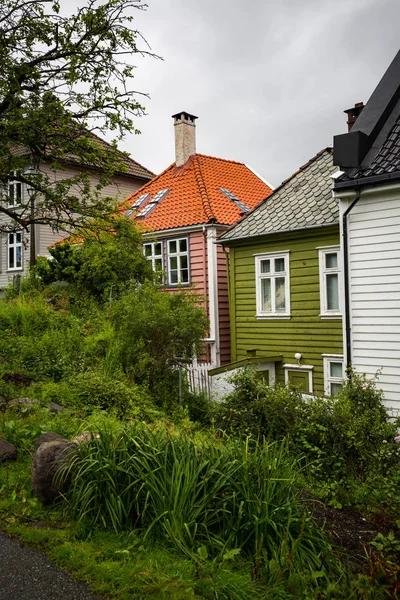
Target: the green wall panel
pixel 305 331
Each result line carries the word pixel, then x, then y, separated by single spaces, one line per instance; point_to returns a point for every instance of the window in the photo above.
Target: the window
pixel 178 261
pixel 15 250
pixel 238 202
pixel 333 373
pixel 272 285
pixel 152 203
pixel 14 193
pixel 136 204
pixel 153 251
pixel 300 377
pixel 329 271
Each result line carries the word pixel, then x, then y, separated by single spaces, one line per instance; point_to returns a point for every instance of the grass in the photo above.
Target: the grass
pixel 216 501
pixel 194 517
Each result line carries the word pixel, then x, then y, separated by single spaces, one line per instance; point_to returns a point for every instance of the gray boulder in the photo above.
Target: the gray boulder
pixel 56 408
pixel 84 437
pixel 7 451
pixel 22 402
pixel 47 437
pixel 47 460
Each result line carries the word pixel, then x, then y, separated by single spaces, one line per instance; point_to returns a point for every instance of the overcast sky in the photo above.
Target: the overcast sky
pixel 269 80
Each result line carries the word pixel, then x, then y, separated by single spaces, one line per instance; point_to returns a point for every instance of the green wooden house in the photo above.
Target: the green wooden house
pixel 284 265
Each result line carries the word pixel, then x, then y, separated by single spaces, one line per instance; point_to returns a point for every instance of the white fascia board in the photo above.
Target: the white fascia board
pixel 260 177
pixel 368 191
pixel 178 231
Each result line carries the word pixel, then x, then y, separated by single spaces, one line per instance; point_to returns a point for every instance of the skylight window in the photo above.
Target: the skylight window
pixel 238 202
pixel 136 204
pixel 153 203
pixel 140 200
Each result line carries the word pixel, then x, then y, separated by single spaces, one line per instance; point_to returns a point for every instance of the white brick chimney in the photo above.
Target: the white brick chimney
pixel 185 137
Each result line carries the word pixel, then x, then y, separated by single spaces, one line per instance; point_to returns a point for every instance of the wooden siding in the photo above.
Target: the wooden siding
pixel 223 308
pixel 199 276
pixel 374 267
pixel 305 331
pixel 120 188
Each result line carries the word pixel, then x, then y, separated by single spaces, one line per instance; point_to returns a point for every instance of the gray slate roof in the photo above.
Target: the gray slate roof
pixel 387 160
pixel 301 202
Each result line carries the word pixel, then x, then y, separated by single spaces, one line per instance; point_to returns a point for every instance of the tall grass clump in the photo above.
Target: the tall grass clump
pixel 211 499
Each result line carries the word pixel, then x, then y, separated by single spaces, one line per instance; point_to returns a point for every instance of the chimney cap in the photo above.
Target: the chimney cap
pixel 357 108
pixel 185 115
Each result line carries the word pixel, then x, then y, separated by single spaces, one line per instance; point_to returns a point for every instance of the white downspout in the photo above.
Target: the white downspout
pixel 213 294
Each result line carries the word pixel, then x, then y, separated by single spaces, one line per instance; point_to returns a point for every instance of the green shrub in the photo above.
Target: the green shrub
pixel 22 426
pixel 346 435
pixel 92 391
pixel 152 330
pixel 37 342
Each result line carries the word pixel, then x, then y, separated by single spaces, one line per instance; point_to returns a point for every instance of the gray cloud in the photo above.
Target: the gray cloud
pixel 268 80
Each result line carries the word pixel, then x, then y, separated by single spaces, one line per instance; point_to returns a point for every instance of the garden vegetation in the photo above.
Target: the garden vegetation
pixel 180 500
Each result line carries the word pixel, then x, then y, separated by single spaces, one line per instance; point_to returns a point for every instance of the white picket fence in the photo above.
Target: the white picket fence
pixel 198 379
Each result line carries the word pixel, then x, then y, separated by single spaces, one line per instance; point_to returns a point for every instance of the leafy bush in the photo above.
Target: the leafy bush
pixel 37 343
pixel 101 266
pixel 346 435
pixel 22 426
pixel 113 357
pixel 153 329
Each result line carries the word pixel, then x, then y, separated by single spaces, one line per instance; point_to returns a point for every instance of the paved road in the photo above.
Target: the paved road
pixel 27 574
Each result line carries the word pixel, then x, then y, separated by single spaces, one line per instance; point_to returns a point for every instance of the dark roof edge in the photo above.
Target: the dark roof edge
pixel 365 181
pixel 350 149
pixel 225 241
pixel 381 102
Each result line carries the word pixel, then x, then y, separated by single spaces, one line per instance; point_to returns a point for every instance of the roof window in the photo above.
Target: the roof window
pixel 153 203
pixel 238 202
pixel 136 204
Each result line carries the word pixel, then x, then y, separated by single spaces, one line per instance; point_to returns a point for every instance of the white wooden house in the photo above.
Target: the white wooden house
pixel 368 189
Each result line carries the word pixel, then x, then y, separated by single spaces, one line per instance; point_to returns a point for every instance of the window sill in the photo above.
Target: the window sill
pixel 332 316
pixel 283 317
pixel 16 270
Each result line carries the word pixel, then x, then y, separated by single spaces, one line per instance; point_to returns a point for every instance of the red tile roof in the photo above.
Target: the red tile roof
pixel 194 195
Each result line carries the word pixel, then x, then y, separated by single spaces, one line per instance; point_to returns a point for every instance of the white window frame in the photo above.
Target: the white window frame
pixel 328 379
pixel 323 272
pixel 178 255
pixel 271 256
pixel 302 368
pixel 153 257
pixel 15 245
pixel 270 367
pixel 13 184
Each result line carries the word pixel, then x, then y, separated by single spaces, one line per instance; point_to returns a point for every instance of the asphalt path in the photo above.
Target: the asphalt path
pixel 27 574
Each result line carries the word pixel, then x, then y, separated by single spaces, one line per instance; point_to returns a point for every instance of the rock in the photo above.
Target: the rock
pixel 85 436
pixel 7 451
pixel 22 402
pixel 56 408
pixel 47 437
pixel 47 460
